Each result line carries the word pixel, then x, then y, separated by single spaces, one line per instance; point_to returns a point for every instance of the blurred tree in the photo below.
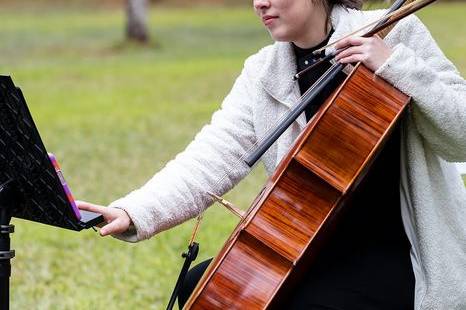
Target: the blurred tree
pixel 136 26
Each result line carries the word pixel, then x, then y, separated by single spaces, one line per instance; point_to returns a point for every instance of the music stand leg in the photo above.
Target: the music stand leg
pixel 6 254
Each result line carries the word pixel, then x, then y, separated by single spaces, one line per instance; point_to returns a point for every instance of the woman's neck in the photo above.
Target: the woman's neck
pixel 318 29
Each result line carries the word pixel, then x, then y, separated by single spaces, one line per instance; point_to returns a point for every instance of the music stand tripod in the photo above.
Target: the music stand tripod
pixel 6 193
pixel 30 188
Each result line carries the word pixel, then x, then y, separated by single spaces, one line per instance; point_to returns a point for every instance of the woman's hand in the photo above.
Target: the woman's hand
pixel 372 52
pixel 116 220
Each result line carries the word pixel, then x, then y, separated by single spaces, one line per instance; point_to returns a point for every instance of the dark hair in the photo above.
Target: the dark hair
pixel 351 4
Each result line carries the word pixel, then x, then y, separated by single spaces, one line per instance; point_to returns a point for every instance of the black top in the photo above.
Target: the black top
pixel 366 264
pixel 304 59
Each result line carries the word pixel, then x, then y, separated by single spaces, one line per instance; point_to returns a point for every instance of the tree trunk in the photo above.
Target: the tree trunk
pixel 136 27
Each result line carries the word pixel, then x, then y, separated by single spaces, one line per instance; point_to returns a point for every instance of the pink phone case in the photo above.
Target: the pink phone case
pixel 65 186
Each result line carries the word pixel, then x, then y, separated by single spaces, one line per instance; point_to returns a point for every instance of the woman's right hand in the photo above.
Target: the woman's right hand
pixel 116 221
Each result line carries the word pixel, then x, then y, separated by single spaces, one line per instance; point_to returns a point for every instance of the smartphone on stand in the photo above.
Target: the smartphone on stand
pixel 56 166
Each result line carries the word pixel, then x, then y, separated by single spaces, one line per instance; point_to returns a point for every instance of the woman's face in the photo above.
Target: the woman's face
pixel 298 21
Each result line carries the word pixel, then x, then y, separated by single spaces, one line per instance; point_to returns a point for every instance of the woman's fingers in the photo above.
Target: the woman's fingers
pixel 372 52
pixel 351 41
pixel 353 58
pixel 119 223
pixel 115 227
pixel 116 220
pixel 349 51
pixel 87 206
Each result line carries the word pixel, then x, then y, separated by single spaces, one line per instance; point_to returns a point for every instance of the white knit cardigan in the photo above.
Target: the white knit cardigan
pixel 433 197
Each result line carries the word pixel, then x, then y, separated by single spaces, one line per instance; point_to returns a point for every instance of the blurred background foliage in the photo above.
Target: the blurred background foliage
pixel 114 112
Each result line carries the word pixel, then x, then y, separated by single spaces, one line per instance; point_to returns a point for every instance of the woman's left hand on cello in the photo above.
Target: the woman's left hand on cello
pixel 372 52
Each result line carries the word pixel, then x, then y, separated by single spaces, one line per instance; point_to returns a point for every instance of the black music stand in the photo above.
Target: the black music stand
pixel 29 185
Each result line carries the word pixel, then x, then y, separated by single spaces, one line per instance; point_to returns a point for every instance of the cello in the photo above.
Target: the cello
pixel 289 222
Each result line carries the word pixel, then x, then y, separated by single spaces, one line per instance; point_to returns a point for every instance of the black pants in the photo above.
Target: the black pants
pixel 331 299
pixel 191 280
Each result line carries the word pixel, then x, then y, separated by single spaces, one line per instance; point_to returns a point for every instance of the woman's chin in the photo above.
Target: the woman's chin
pixel 279 37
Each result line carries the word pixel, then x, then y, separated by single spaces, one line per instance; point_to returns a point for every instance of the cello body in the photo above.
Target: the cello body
pixel 289 222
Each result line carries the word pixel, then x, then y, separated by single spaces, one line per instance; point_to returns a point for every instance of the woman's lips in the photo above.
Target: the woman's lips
pixel 268 20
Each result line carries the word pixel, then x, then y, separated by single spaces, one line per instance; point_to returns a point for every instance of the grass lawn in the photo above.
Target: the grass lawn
pixel 114 114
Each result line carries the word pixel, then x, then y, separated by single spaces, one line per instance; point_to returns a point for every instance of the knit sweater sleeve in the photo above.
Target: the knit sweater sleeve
pixel 419 68
pixel 209 163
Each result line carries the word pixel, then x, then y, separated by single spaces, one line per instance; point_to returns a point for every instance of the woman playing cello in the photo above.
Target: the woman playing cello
pixel 407 251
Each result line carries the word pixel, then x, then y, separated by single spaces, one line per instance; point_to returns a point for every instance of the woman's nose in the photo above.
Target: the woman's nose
pixel 261 4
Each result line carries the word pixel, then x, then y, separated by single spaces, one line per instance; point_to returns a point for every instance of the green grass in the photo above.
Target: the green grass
pixel 113 114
